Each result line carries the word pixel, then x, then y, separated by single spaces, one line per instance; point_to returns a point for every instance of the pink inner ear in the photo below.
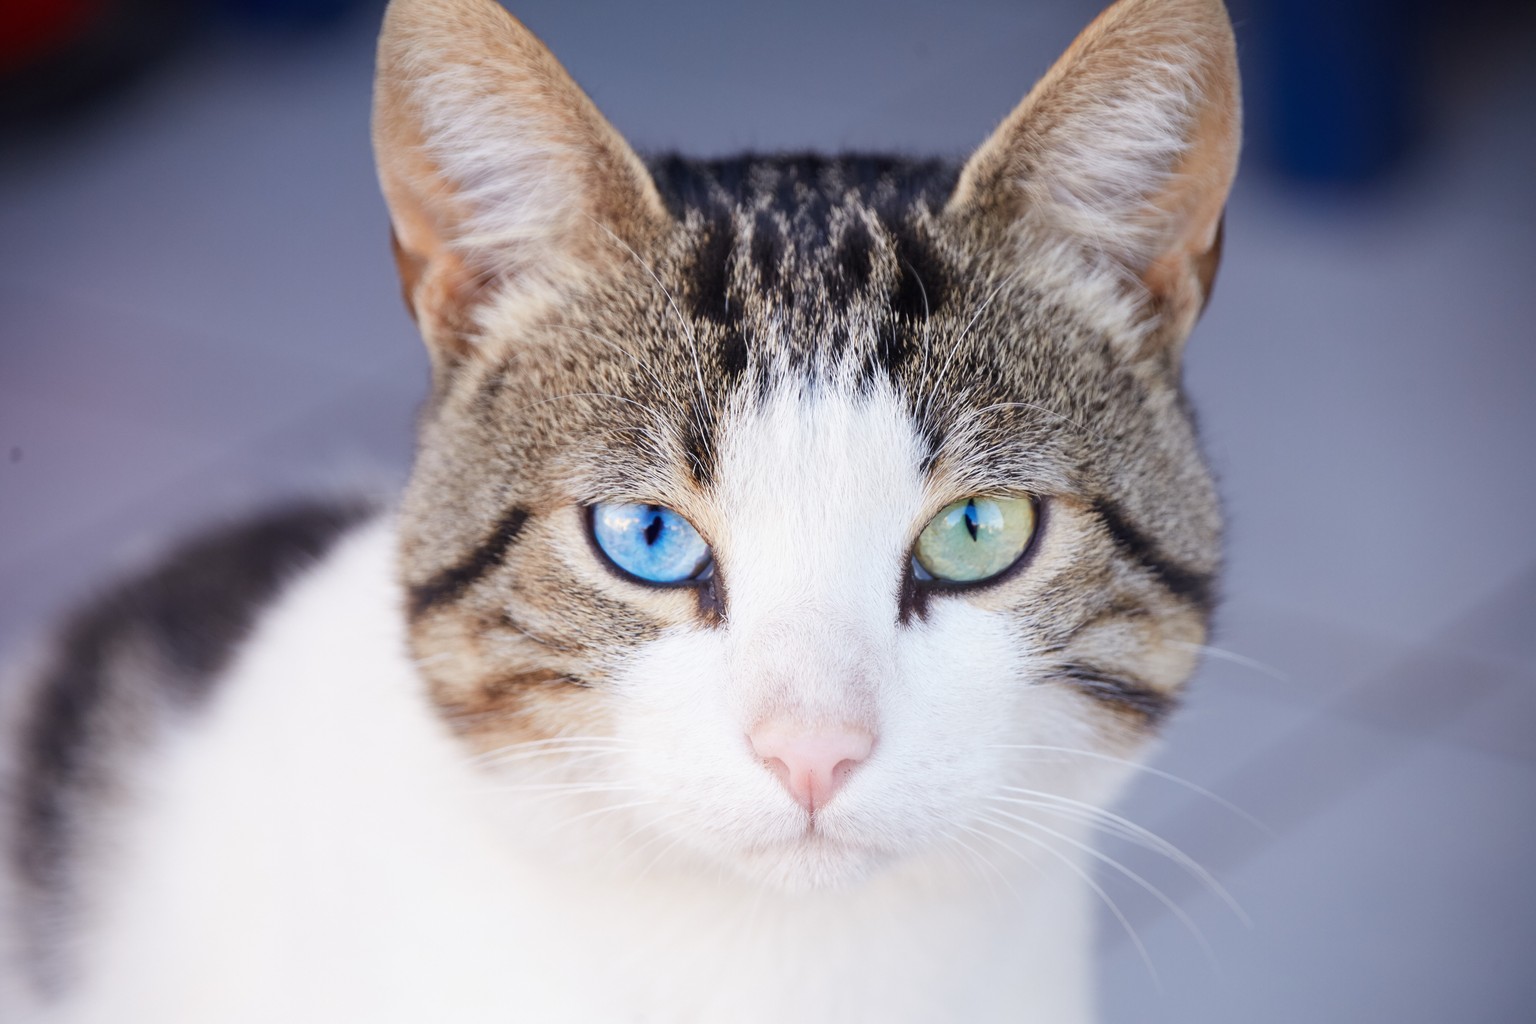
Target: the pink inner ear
pixel 1127 146
pixel 498 170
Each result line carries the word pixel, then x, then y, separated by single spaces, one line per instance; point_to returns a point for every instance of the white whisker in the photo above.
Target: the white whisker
pixel 1108 861
pixel 1237 659
pixel 1115 824
pixel 607 809
pixel 1157 773
pixel 1087 879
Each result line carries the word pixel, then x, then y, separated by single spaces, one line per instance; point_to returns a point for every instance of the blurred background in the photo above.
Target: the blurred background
pixel 198 314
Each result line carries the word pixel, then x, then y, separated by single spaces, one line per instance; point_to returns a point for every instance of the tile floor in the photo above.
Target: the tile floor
pixel 197 313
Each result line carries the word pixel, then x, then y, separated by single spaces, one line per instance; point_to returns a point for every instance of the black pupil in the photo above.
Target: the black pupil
pixel 653 528
pixel 971 519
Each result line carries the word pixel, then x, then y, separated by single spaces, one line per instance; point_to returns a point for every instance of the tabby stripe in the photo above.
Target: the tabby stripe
pixel 450 583
pixel 1122 693
pixel 1198 588
pixel 699 442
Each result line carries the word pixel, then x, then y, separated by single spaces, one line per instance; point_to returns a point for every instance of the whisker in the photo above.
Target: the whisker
pixel 1087 879
pixel 1115 824
pixel 677 836
pixel 569 756
pixel 607 809
pixel 553 743
pixel 565 788
pixel 1237 659
pixel 1158 773
pixel 1105 859
pixel 661 834
pixel 975 857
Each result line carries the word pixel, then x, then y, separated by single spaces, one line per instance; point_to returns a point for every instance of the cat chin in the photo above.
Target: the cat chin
pixel 811 865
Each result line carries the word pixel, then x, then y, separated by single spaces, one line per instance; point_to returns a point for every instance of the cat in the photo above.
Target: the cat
pixel 799 550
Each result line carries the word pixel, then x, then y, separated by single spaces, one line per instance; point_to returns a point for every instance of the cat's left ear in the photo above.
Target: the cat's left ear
pixel 503 180
pixel 1123 155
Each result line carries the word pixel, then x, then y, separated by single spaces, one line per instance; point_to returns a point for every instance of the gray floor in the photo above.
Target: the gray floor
pixel 198 313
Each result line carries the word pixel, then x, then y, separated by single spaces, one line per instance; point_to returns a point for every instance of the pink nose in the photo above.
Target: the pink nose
pixel 812 763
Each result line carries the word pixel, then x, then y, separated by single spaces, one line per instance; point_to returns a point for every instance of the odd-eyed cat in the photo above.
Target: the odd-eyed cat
pixel 798 551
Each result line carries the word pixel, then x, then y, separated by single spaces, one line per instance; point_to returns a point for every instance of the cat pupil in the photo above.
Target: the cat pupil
pixel 653 528
pixel 971 519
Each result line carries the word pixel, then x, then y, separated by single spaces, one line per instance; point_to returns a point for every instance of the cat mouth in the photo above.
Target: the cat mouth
pixel 813 859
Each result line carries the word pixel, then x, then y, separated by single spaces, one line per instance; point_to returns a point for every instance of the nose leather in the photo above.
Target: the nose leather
pixel 814 763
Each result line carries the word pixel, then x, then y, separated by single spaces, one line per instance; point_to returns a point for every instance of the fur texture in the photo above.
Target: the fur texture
pixel 465 769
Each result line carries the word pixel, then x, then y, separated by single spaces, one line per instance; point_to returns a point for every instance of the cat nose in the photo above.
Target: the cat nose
pixel 811 763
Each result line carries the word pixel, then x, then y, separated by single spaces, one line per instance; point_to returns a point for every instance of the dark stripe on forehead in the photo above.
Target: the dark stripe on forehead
pixel 920 291
pixel 767 250
pixel 922 288
pixel 1120 693
pixel 1198 588
pixel 709 277
pixel 449 584
pixel 709 290
pixel 852 261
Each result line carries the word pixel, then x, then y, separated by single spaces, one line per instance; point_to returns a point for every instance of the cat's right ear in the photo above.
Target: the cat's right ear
pixel 504 182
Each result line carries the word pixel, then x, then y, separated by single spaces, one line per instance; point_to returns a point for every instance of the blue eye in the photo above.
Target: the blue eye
pixel 651 542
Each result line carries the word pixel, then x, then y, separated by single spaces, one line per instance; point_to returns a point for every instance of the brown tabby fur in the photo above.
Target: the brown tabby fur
pixel 590 346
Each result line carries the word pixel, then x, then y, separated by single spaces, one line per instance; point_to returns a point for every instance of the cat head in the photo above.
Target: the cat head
pixel 799 507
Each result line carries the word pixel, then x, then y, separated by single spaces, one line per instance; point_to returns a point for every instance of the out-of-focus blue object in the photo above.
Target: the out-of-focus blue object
pixel 1343 94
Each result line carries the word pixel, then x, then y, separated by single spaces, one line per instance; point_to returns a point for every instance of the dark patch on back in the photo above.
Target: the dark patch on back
pixel 182 623
pixel 450 583
pixel 1197 588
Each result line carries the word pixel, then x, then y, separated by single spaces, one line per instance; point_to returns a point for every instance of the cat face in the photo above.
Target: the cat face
pixel 793 516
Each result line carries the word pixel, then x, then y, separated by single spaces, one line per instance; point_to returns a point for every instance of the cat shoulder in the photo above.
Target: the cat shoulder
pixel 142 657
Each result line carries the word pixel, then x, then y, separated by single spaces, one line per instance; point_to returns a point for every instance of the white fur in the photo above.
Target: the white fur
pixel 319 848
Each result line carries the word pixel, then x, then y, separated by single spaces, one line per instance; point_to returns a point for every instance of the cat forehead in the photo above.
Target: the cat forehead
pixel 789 290
pixel 816 488
pixel 806 252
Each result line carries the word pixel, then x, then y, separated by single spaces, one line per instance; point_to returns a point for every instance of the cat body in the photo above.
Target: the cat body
pixel 799 553
pixel 369 881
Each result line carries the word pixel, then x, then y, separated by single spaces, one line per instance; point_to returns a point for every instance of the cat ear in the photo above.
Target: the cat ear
pixel 1125 151
pixel 500 174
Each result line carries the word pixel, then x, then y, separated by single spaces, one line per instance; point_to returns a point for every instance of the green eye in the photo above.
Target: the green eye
pixel 974 539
